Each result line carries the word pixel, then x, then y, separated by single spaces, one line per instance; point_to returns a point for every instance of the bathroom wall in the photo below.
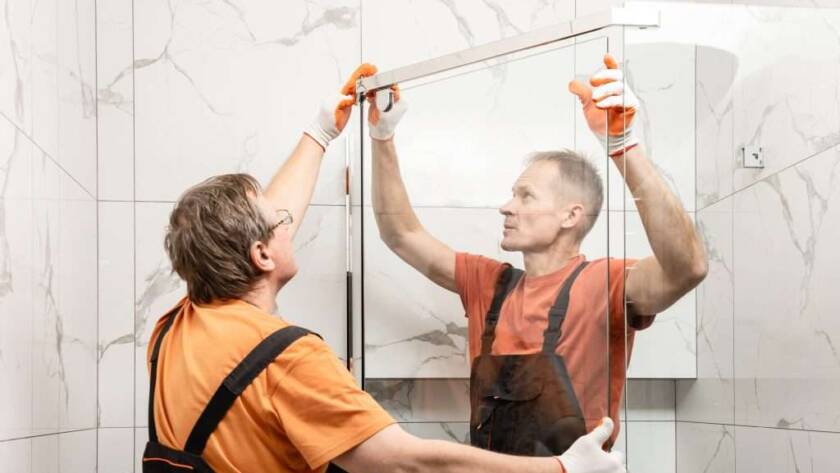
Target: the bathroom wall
pixel 191 89
pixel 111 108
pixel 188 90
pixel 48 237
pixel 768 369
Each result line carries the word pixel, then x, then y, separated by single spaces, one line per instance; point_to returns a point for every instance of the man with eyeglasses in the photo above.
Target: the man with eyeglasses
pixel 236 389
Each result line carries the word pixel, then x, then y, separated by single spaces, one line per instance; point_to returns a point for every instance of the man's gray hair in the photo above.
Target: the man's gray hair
pixel 209 238
pixel 578 180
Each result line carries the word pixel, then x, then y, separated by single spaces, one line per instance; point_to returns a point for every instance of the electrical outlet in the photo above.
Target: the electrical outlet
pixel 753 157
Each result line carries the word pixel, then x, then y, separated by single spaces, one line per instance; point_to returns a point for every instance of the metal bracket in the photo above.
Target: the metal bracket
pixel 752 157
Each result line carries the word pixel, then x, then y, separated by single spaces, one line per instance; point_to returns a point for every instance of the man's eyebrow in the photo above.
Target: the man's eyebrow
pixel 522 187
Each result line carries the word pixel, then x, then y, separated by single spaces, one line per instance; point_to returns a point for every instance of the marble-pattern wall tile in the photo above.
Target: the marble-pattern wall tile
pixel 47 88
pixel 512 125
pixel 46 457
pixel 589 59
pixel 16 57
pixel 116 314
pixel 447 400
pixel 780 450
pixel 230 86
pixel 662 75
pixel 71 452
pixel 589 7
pixel 464 139
pixel 141 436
pixel 649 400
pixel 706 448
pixel 683 1
pixel 76 66
pixel 64 294
pixel 77 452
pixel 710 397
pixel 674 330
pixel 115 99
pixel 716 156
pixel 787 370
pixel 32 455
pixel 315 298
pixel 44 80
pixel 792 3
pixel 458 432
pixel 16 455
pixel 116 450
pixel 757 58
pixel 16 282
pixel 785 100
pixel 420 329
pixel 459 25
pixel 423 400
pixel 672 333
pixel 648 447
pixel 47 271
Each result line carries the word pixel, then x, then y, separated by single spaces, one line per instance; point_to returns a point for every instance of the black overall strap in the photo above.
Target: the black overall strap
pixel 236 382
pixel 557 313
pixel 153 372
pixel 508 280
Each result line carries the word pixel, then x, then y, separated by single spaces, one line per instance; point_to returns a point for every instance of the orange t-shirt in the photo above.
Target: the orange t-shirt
pixel 300 413
pixel 598 292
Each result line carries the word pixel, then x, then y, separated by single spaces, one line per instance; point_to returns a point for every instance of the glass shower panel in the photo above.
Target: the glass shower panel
pixel 463 143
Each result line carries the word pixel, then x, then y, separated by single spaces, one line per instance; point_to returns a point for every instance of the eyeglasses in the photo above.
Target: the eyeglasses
pixel 285 218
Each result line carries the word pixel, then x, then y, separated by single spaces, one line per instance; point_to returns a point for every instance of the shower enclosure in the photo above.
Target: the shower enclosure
pixel 725 124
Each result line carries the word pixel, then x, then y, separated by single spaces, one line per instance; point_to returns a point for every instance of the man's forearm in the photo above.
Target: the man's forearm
pixel 391 205
pixel 292 186
pixel 448 457
pixel 669 229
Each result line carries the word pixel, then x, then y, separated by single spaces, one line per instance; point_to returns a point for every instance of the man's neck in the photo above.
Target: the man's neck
pixel 547 262
pixel 262 297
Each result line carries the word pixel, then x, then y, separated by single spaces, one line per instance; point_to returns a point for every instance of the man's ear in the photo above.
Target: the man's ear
pixel 261 256
pixel 574 216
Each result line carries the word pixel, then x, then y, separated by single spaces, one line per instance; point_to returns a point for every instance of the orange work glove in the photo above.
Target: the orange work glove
pixel 609 107
pixel 334 112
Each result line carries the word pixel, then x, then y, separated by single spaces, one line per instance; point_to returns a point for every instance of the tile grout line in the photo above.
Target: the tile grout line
pixel 764 427
pixel 98 229
pixel 51 434
pixel 133 448
pixel 790 166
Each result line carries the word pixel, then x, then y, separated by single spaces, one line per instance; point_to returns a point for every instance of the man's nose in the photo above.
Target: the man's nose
pixel 507 209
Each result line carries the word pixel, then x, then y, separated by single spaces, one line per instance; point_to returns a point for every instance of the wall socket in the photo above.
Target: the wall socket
pixel 752 157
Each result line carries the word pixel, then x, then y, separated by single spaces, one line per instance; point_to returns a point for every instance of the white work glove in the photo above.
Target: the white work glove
pixel 382 124
pixel 333 115
pixel 586 455
pixel 334 112
pixel 609 107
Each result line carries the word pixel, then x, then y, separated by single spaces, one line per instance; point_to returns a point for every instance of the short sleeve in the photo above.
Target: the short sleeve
pixel 475 280
pixel 618 271
pixel 321 408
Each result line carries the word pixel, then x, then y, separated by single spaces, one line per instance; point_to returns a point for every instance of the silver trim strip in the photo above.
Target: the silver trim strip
pixel 636 16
